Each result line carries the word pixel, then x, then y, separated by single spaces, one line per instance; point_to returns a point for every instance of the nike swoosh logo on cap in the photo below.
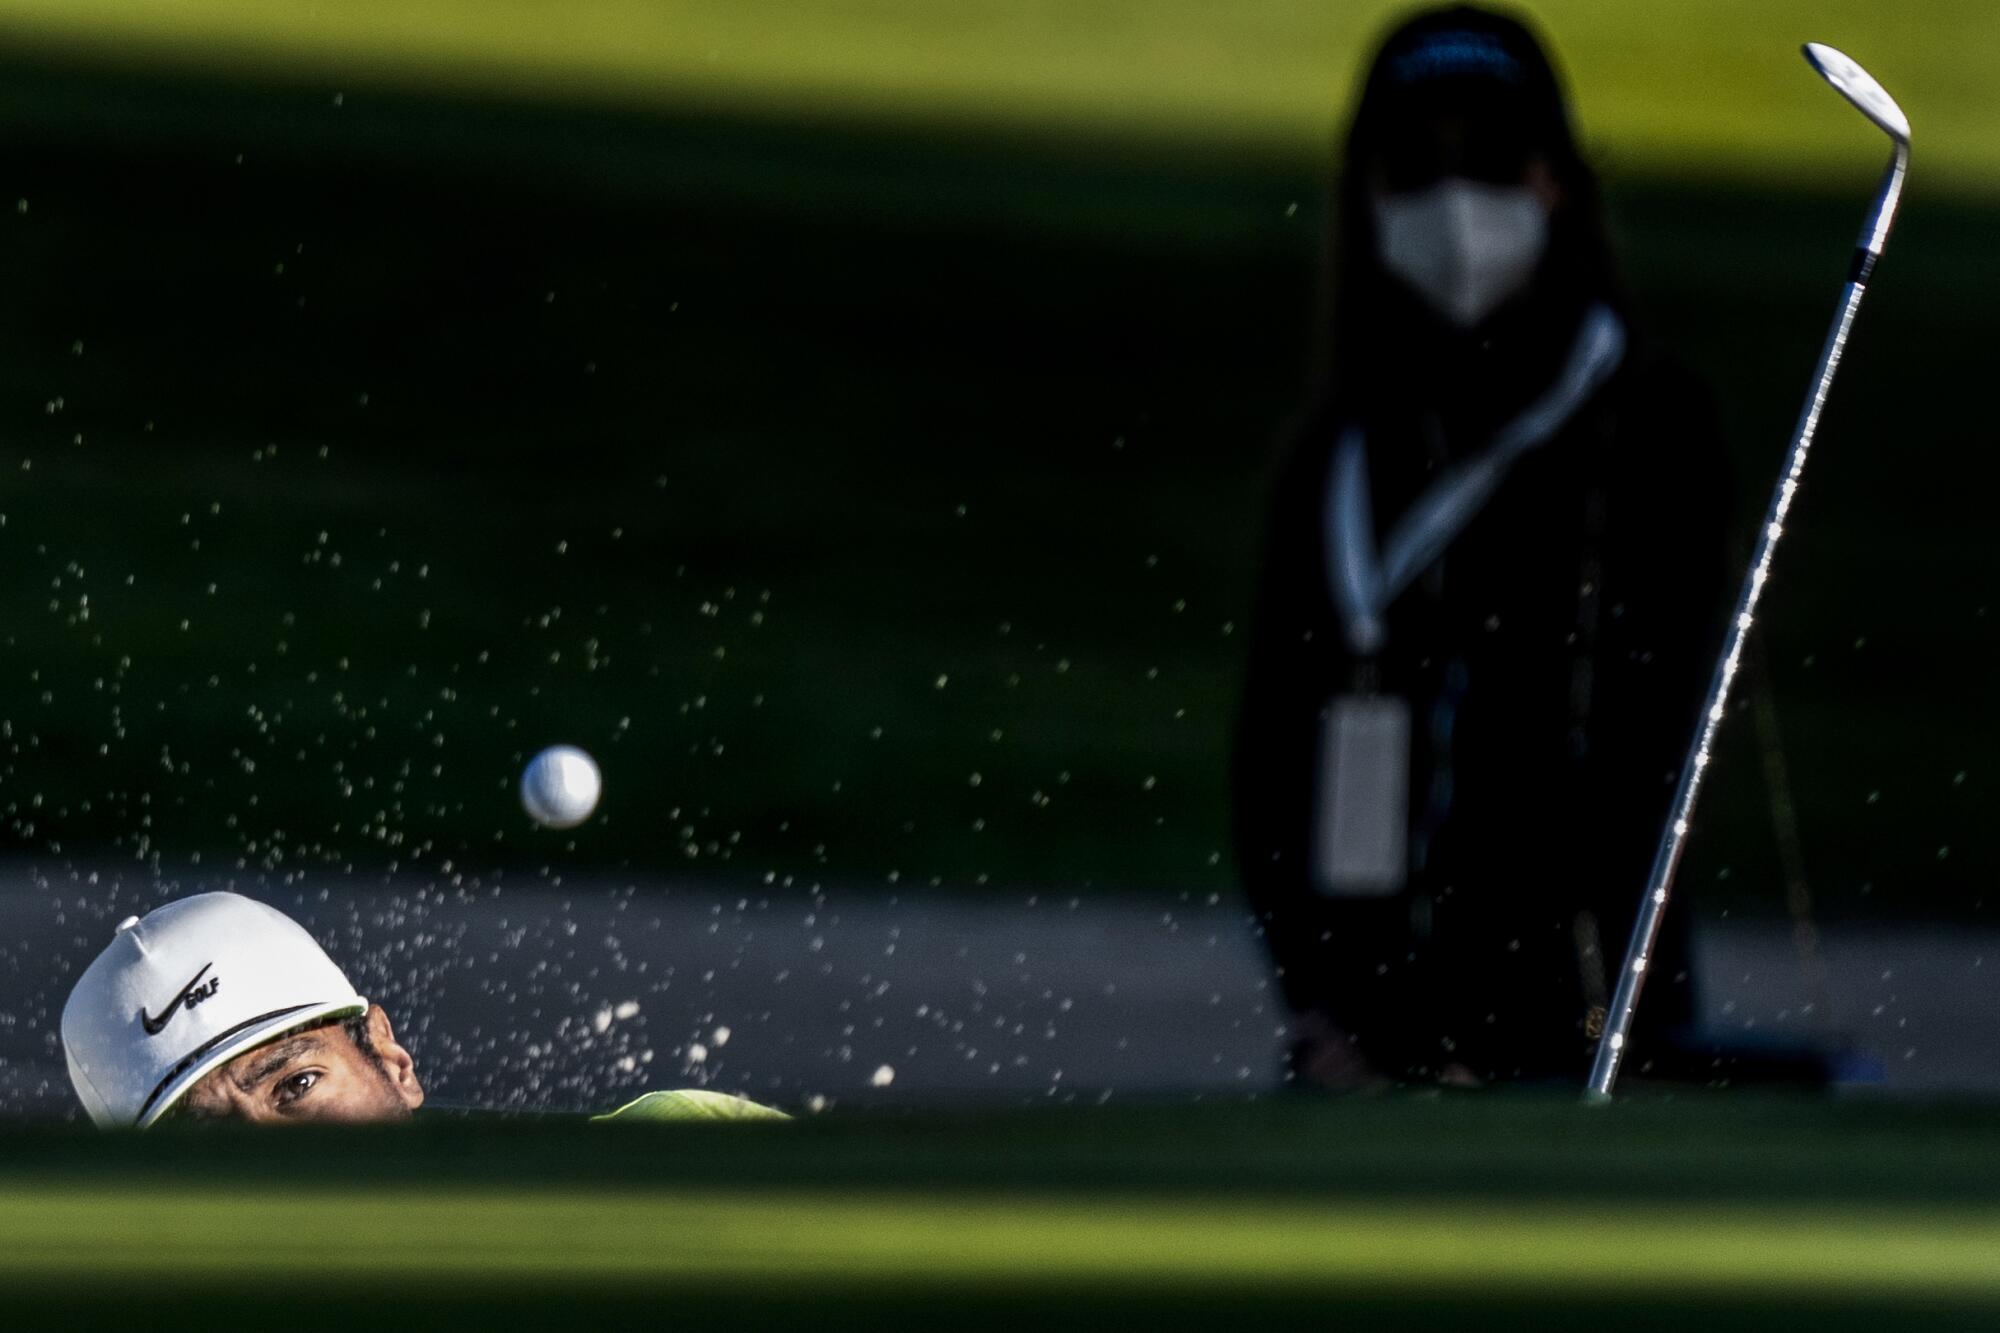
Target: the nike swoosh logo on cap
pixel 152 1024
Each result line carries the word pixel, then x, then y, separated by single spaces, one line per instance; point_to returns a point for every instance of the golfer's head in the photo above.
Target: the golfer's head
pixel 219 1007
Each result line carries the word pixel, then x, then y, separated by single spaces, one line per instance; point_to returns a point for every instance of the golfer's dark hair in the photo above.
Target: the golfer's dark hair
pixel 356 1028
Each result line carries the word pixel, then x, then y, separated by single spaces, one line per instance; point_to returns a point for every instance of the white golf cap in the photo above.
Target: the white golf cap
pixel 185 990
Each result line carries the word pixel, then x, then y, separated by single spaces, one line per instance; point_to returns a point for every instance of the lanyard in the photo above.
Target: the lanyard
pixel 1365 578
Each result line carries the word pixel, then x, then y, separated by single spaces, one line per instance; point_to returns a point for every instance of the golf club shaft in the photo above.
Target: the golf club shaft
pixel 1673 836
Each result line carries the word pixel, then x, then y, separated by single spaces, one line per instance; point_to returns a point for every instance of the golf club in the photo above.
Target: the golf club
pixel 1858 87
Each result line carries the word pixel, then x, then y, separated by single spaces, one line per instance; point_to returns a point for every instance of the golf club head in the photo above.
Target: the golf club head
pixel 1858 86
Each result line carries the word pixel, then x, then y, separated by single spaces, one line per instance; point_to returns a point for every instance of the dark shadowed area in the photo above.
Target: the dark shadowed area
pixel 880 509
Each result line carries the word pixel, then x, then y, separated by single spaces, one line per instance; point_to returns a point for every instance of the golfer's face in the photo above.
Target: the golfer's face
pixel 315 1075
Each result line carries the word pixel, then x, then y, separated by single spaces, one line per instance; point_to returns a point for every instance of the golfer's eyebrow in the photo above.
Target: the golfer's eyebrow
pixel 275 1059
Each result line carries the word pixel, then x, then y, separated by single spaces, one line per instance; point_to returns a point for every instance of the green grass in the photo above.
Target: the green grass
pixel 1412 1209
pixel 812 1238
pixel 1693 83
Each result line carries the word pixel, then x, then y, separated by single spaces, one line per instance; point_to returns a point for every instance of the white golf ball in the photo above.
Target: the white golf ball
pixel 560 787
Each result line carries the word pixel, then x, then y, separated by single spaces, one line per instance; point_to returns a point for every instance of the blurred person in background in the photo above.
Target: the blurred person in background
pixel 1495 573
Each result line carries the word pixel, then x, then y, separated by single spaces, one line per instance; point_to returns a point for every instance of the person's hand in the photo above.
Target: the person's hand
pixel 1325 1056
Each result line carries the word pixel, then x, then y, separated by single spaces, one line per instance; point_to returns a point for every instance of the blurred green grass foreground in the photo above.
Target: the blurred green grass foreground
pixel 1397 1213
pixel 849 422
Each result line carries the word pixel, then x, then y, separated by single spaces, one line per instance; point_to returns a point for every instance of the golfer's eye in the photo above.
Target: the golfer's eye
pixel 298 1085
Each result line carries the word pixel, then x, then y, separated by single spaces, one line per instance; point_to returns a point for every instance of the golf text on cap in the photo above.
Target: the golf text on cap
pixel 191 995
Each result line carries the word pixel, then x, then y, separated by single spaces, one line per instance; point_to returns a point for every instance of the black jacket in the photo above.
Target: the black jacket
pixel 1554 660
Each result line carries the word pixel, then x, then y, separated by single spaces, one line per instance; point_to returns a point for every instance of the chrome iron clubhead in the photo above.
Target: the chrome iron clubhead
pixel 1868 97
pixel 1858 86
